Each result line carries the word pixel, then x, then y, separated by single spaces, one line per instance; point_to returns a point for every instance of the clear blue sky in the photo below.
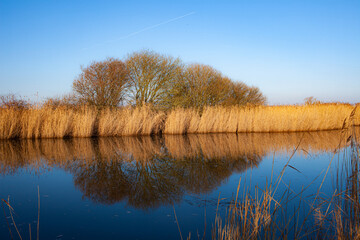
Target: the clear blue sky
pixel 289 49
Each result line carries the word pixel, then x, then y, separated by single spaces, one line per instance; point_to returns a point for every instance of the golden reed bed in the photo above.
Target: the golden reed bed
pixel 47 122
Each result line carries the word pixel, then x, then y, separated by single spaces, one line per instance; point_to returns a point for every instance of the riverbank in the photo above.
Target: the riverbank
pixel 85 121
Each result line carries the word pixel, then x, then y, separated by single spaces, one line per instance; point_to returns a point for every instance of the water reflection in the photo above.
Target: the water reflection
pixel 143 172
pixel 148 172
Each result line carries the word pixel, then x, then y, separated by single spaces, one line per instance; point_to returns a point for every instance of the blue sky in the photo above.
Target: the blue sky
pixel 289 49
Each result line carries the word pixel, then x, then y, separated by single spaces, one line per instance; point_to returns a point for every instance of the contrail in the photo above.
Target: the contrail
pixel 143 30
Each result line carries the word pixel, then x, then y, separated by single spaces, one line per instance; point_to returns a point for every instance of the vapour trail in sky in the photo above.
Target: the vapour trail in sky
pixel 143 30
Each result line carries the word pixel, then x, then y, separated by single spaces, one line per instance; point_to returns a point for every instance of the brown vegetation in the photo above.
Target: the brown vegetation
pixel 151 76
pixel 102 83
pixel 130 121
pixel 147 77
pixel 202 85
pixel 261 119
pixel 87 121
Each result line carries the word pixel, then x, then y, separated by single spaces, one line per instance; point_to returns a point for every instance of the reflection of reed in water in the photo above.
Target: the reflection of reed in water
pixel 16 154
pixel 141 149
pixel 232 145
pixel 210 146
pixel 152 171
pixel 33 154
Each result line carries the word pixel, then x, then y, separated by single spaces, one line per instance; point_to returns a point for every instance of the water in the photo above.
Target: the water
pixel 131 187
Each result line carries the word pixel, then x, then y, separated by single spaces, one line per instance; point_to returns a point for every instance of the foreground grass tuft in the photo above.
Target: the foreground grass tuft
pixel 263 215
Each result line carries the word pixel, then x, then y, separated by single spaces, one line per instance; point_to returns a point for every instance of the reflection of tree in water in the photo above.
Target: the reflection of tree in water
pixel 153 184
pixel 201 175
pixel 160 180
pixel 102 182
pixel 150 171
pixel 142 185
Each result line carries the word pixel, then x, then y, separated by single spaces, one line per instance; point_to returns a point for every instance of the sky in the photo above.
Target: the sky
pixel 289 49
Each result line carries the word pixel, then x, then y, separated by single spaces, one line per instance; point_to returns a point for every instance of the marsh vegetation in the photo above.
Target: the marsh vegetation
pixel 87 121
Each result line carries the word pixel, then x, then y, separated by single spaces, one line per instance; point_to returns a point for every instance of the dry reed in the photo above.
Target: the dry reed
pixel 144 121
pixel 85 121
pixel 56 123
pixel 290 118
pixel 131 121
pixel 180 121
pixel 10 120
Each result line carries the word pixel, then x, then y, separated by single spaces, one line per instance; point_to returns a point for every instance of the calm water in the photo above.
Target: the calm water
pixel 129 187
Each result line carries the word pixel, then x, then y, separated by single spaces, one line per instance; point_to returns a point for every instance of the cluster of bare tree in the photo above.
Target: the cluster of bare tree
pixel 147 77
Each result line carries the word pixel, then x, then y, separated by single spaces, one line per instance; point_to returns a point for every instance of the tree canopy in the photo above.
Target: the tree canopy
pixel 151 75
pixel 102 83
pixel 147 77
pixel 202 85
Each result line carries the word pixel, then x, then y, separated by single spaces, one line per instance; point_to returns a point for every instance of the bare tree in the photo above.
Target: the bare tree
pixel 255 97
pixel 151 76
pixel 241 94
pixel 207 86
pixel 67 100
pixel 311 100
pixel 102 83
pixel 201 85
pixel 162 81
pixel 13 101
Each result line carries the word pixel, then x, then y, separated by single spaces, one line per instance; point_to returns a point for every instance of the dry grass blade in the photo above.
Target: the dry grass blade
pixel 38 221
pixel 8 204
pixel 12 217
pixel 29 231
pixel 177 222
pixel 7 222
